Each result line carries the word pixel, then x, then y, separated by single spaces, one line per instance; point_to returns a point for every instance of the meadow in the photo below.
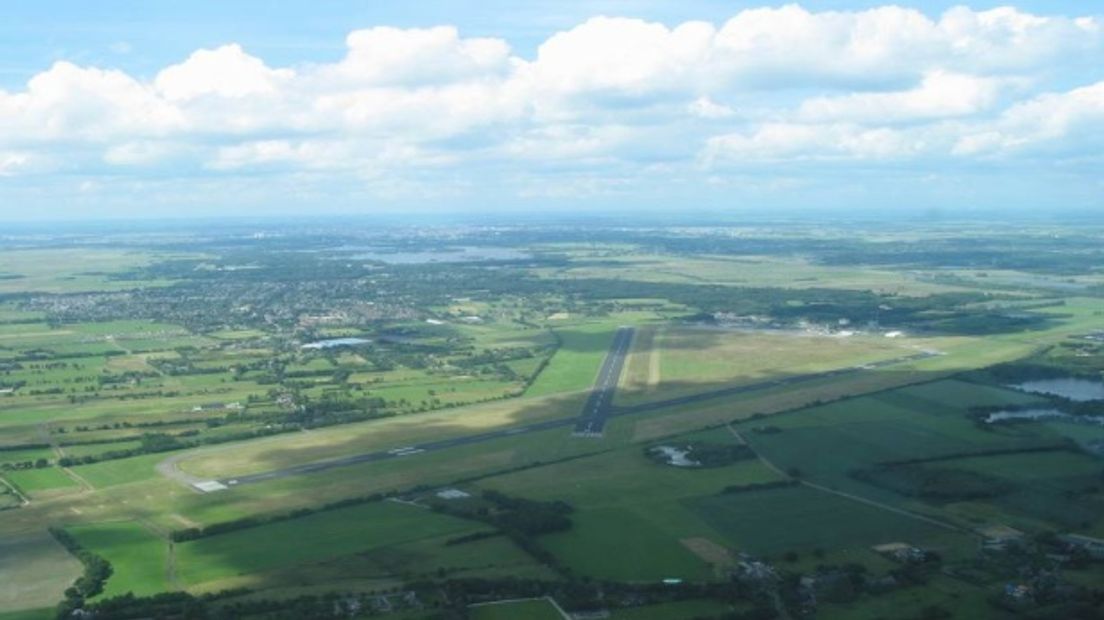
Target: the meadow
pixel 199 371
pixel 538 609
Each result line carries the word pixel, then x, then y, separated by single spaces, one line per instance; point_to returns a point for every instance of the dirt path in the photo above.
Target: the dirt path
pixel 48 437
pixel 170 557
pixel 22 498
pixel 851 496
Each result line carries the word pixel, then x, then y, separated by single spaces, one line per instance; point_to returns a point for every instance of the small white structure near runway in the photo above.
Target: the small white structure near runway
pixel 452 494
pixel 210 486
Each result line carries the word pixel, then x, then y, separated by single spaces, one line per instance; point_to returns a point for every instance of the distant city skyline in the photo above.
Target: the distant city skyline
pixel 206 109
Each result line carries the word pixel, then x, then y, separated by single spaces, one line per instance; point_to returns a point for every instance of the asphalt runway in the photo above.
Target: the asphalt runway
pixel 599 405
pixel 596 412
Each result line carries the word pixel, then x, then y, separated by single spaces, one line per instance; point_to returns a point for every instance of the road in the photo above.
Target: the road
pixel 591 423
pixel 599 405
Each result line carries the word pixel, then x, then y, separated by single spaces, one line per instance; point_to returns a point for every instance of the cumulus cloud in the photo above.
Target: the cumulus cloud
pixel 888 84
pixel 68 102
pixel 12 162
pixel 1070 120
pixel 225 72
pixel 797 141
pixel 939 95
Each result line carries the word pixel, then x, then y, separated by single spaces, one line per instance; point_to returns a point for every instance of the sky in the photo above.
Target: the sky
pixel 155 109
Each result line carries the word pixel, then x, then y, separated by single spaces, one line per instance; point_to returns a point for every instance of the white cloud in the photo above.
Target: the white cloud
pixel 1055 121
pixel 68 102
pixel 387 56
pixel 704 107
pixel 940 95
pixel 614 95
pixel 628 57
pixel 12 163
pixel 801 142
pixel 226 72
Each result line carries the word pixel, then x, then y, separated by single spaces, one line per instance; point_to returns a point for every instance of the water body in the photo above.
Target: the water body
pixel 1026 414
pixel 1079 390
pixel 335 342
pixel 463 254
pixel 677 457
pixel 1042 414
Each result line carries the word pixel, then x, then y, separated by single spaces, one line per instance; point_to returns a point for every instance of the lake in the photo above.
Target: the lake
pixel 1079 390
pixel 1042 414
pixel 335 342
pixel 463 254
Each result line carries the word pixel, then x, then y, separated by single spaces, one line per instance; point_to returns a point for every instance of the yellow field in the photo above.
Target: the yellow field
pixel 687 360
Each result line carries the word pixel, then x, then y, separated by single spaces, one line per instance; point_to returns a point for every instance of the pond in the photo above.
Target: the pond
pixel 1041 414
pixel 1079 390
pixel 462 254
pixel 335 342
pixel 676 456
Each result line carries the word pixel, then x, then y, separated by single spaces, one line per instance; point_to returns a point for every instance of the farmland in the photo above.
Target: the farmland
pixel 259 423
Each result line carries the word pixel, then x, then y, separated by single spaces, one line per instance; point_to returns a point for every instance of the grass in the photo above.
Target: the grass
pixel 537 609
pixel 36 570
pixel 825 443
pixel 621 543
pixel 40 481
pixel 575 364
pixel 67 270
pixel 678 610
pixel 630 513
pixel 46 613
pixel 1052 490
pixel 93 449
pixel 120 471
pixel 312 538
pixel 24 455
pixel 748 271
pixel 962 601
pixel 139 559
pixel 383 434
pixel 771 522
pixel 431 468
pixel 695 359
pixel 632 516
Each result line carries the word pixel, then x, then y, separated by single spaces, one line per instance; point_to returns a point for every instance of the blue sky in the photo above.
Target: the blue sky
pixel 154 109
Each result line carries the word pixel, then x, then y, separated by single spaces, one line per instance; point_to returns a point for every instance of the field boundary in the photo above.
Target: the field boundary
pixel 851 496
pixel 15 489
pixel 510 601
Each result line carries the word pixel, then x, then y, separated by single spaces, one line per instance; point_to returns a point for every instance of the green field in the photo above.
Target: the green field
pixel 197 345
pixel 800 519
pixel 671 611
pixel 313 538
pixel 121 471
pixel 41 481
pixel 695 360
pixel 35 569
pixel 631 513
pixel 535 610
pixel 908 423
pixel 575 364
pixel 139 558
pixel 31 614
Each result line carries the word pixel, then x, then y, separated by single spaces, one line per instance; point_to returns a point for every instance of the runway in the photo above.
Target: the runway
pixel 597 410
pixel 599 405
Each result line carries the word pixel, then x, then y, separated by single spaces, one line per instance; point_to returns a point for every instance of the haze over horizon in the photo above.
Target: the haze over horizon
pixel 610 107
